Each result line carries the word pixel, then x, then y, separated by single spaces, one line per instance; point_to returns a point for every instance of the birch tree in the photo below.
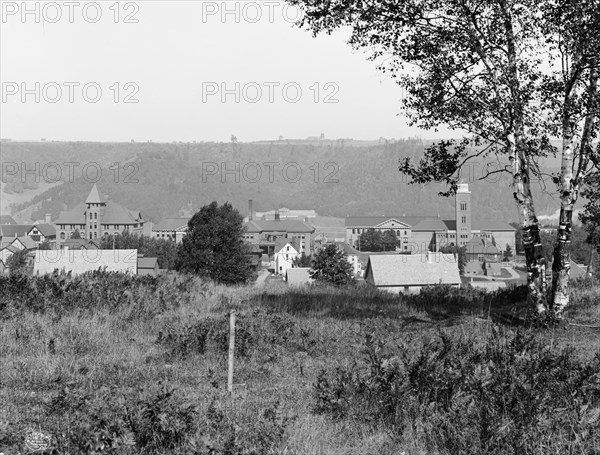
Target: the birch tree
pixel 509 76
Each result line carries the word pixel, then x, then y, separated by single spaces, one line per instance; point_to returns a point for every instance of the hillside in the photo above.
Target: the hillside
pixel 336 178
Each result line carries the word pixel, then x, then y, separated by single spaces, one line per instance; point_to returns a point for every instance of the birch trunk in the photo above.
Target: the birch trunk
pixel 534 255
pixel 569 187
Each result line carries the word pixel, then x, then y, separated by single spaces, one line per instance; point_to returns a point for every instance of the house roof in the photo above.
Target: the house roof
pixel 480 246
pixel 284 226
pixel 347 249
pixel 47 230
pixel 281 243
pixel 413 269
pixel 147 263
pixel 14 230
pixel 372 221
pixel 431 224
pixel 94 196
pixel 7 219
pixel 298 275
pixel 112 213
pixel 172 224
pixel 77 244
pixel 26 241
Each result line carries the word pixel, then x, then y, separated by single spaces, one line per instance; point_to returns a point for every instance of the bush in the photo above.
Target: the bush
pixel 507 395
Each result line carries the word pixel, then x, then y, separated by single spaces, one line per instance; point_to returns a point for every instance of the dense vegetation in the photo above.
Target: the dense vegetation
pixel 106 363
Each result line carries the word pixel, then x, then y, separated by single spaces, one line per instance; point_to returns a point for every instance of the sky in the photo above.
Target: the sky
pixel 186 71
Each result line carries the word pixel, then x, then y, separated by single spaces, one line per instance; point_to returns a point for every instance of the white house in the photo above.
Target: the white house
pixel 352 256
pixel 285 253
pixel 408 273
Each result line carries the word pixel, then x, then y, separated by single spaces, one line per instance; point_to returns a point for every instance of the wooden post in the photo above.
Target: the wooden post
pixel 231 350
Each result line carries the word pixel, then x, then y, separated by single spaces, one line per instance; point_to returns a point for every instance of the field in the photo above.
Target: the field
pixel 109 364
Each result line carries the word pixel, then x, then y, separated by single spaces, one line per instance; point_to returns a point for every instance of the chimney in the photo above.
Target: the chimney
pixel 48 218
pixel 277 215
pixel 250 212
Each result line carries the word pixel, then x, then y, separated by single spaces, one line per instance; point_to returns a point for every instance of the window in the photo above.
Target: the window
pixel 463 206
pixel 95 216
pixel 62 235
pixel 90 235
pixel 354 231
pixel 90 215
pixel 464 219
pixel 398 232
pixel 95 235
pixel 405 232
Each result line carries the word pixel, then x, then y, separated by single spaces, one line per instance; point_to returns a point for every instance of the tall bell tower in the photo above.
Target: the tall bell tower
pixel 463 214
pixel 95 206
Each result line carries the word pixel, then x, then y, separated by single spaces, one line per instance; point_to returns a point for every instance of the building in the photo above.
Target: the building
pixel 81 261
pixel 173 229
pixel 9 232
pixel 97 217
pixel 298 276
pixel 43 232
pixel 285 253
pixel 265 234
pixel 409 273
pixel 147 266
pixel 80 244
pixel 418 234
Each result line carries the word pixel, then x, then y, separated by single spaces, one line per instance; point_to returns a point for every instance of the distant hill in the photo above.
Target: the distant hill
pixel 335 178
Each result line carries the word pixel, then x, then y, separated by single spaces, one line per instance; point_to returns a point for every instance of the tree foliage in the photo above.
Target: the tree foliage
pixel 303 260
pixel 214 245
pixel 374 240
pixel 331 266
pixel 17 262
pixel 164 250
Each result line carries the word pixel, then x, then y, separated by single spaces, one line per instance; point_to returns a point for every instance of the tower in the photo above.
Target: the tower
pixel 95 206
pixel 463 214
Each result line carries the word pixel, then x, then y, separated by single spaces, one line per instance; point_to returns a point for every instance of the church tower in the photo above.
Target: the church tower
pixel 463 214
pixel 95 207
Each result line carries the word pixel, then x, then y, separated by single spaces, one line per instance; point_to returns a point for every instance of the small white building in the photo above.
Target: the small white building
pixel 409 273
pixel 174 229
pixel 81 261
pixel 298 276
pixel 285 253
pixel 352 256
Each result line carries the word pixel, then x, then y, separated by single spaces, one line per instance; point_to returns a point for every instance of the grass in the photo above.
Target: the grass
pixel 132 374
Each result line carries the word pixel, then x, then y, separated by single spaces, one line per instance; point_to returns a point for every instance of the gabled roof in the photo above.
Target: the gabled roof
pixel 94 196
pixel 285 226
pixel 77 244
pixel 413 269
pixel 431 224
pixel 7 219
pixel 26 241
pixel 112 213
pixel 147 263
pixel 172 224
pixel 281 243
pixel 372 221
pixel 347 249
pixel 47 230
pixel 74 216
pixel 9 230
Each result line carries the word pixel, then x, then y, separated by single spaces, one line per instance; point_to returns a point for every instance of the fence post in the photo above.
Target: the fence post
pixel 231 350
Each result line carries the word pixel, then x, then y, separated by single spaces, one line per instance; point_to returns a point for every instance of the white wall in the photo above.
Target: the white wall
pixel 80 261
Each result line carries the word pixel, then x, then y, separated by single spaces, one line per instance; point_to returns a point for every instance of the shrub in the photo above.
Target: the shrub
pixel 507 395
